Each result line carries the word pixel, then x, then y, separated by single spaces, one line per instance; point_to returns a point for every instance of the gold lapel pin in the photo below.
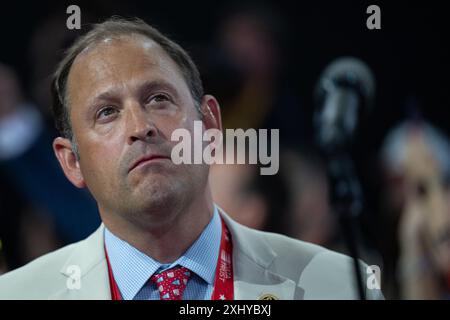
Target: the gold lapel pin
pixel 268 296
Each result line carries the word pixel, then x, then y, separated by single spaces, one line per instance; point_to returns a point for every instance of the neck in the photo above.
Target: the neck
pixel 157 238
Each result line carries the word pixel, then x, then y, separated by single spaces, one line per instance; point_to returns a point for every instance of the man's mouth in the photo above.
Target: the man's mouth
pixel 146 159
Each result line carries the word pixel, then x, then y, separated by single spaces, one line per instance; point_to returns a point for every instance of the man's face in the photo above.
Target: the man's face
pixel 126 97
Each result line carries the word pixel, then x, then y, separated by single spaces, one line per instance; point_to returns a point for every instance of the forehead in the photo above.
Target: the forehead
pixel 122 62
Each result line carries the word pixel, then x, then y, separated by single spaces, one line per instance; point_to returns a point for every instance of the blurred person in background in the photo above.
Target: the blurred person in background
pixel 247 69
pixel 26 228
pixel 416 165
pixel 56 211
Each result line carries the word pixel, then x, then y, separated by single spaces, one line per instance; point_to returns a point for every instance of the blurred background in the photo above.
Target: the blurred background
pixel 263 61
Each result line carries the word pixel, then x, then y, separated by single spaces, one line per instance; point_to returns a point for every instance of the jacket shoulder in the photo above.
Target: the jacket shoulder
pixel 319 270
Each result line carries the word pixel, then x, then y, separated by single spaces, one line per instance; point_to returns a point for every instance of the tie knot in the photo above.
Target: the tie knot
pixel 172 282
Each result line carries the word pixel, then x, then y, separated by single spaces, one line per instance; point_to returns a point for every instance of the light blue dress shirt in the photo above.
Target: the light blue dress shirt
pixel 132 268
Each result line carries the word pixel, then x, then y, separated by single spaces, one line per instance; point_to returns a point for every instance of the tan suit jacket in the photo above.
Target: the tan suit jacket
pixel 264 265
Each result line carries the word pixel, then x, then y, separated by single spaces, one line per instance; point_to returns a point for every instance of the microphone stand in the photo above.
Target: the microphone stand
pixel 347 201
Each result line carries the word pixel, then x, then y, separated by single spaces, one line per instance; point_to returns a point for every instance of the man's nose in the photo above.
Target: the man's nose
pixel 140 125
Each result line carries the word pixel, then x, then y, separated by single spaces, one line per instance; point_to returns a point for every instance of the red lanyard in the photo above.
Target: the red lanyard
pixel 115 293
pixel 223 281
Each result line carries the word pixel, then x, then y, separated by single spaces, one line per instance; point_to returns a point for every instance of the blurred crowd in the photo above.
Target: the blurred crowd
pixel 406 231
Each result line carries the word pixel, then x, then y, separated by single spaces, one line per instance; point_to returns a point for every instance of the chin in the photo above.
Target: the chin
pixel 160 192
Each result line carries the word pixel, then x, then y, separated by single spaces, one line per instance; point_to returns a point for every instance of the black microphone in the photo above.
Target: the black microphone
pixel 343 95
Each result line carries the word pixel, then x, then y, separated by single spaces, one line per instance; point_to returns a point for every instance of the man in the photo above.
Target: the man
pixel 120 92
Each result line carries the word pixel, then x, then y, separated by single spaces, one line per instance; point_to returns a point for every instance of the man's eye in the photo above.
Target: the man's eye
pixel 159 98
pixel 106 112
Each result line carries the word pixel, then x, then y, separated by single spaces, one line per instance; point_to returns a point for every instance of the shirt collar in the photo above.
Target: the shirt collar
pixel 132 268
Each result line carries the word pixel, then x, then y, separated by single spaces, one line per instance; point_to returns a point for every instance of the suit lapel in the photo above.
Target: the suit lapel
pixel 88 261
pixel 252 258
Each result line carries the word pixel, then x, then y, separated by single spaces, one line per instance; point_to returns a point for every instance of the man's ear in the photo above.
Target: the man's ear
pixel 210 109
pixel 68 161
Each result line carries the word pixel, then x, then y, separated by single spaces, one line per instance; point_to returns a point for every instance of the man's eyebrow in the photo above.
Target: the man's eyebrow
pixel 154 85
pixel 110 94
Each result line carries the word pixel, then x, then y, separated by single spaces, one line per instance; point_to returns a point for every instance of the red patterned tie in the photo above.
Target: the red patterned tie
pixel 172 282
